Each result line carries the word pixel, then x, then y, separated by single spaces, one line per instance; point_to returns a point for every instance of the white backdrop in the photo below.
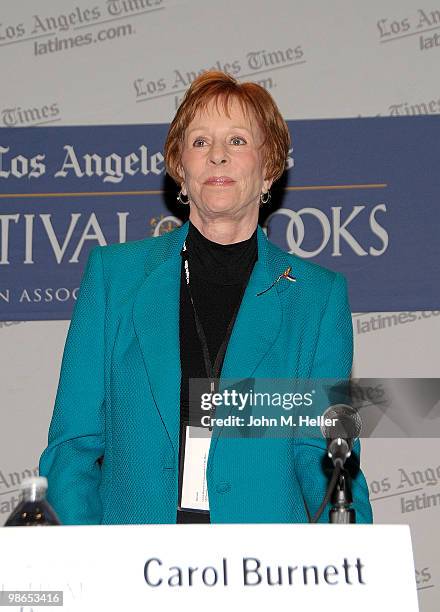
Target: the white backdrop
pixel 129 61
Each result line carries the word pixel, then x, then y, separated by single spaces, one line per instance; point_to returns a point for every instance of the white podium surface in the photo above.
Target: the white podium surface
pixel 207 567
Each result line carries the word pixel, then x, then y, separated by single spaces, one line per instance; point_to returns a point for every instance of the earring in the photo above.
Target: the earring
pixel 180 197
pixel 268 196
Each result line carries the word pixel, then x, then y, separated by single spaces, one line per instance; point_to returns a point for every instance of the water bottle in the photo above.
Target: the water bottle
pixel 33 510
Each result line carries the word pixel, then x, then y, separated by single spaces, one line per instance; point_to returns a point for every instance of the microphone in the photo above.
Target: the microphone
pixel 341 426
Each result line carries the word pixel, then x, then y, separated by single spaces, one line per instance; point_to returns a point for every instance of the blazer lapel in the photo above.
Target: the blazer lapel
pixel 256 328
pixel 258 320
pixel 156 323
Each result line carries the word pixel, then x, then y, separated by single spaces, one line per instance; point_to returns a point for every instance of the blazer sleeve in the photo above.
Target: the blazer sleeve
pixel 333 359
pixel 76 433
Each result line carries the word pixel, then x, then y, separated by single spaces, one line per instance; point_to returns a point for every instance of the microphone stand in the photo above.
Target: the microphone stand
pixel 342 512
pixel 339 492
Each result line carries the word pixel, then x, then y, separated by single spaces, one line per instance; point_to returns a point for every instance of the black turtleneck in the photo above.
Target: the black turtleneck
pixel 219 274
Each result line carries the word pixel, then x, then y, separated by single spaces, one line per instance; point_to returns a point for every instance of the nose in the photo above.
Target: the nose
pixel 218 154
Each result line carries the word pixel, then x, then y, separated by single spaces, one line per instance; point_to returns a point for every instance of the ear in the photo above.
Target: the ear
pixel 181 172
pixel 267 181
pixel 267 184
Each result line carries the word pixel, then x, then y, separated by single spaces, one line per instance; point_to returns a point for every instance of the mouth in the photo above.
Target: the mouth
pixel 219 181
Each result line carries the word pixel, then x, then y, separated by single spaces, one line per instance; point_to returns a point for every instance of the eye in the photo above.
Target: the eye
pixel 238 138
pixel 198 140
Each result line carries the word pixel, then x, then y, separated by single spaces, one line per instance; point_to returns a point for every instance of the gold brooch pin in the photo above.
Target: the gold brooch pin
pixel 286 274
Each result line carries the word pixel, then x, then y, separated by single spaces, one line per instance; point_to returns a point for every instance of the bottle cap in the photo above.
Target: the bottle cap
pixel 37 482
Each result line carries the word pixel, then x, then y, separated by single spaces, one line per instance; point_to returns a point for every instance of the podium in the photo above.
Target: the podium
pixel 211 567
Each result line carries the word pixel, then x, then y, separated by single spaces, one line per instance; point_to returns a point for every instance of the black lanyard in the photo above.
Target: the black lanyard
pixel 212 369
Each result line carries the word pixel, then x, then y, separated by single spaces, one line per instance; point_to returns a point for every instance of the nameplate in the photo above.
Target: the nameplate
pixel 193 567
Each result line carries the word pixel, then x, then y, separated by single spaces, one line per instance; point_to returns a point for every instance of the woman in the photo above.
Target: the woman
pixel 212 297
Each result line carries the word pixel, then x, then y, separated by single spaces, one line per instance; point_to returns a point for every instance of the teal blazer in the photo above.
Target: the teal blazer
pixel 112 454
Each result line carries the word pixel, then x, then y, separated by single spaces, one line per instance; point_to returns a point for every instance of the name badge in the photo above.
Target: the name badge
pixel 195 459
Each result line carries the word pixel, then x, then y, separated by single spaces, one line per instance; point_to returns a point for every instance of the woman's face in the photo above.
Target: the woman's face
pixel 221 165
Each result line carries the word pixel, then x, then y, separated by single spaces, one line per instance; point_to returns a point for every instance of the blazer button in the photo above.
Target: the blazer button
pixel 223 487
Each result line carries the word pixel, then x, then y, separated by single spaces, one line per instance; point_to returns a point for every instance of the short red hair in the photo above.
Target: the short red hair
pixel 216 85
